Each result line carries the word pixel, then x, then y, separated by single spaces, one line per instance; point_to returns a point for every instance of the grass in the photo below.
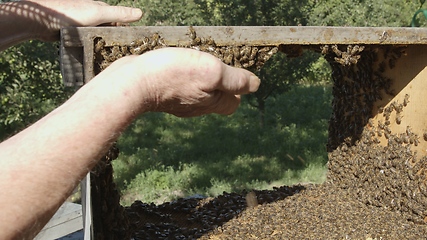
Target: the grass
pixel 164 157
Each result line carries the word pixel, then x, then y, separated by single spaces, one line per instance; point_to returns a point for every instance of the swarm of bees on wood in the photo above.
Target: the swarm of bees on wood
pixel 248 57
pixel 386 175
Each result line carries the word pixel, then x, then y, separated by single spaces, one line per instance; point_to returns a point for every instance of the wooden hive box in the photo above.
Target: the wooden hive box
pixel 398 55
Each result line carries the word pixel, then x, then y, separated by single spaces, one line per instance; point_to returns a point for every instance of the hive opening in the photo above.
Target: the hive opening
pixel 369 157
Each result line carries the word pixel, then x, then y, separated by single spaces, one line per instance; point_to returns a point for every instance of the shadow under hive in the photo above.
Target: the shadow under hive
pixel 376 185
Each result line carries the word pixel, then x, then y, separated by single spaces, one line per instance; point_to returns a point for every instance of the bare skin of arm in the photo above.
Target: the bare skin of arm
pixel 42 19
pixel 44 163
pixel 41 165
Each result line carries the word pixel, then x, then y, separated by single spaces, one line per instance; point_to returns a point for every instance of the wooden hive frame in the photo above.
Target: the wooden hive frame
pixel 409 74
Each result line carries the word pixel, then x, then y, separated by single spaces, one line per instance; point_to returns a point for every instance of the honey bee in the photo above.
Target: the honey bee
pixel 196 41
pixel 105 55
pixel 408 130
pixel 210 42
pixel 191 33
pixel 398 118
pixel 355 49
pixel 154 40
pixel 236 52
pixel 124 50
pixel 406 100
pixel 264 49
pixel 336 50
pixel 99 45
pixel 416 140
pixel 161 42
pixel 371 123
pixel 245 51
pixel 398 107
pixel 265 56
pixel 138 50
pixel 324 49
pixel 136 43
pixel 115 52
pixel 249 64
pixel 228 58
pixel 253 54
pixel 405 138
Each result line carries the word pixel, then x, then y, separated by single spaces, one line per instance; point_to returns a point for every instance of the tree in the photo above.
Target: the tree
pixel 280 72
pixel 30 85
pixel 361 13
pixel 166 13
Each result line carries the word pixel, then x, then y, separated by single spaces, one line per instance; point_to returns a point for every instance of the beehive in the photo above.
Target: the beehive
pixel 377 133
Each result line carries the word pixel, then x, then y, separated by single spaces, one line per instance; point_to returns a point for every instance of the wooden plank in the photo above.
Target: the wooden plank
pixel 252 35
pixel 77 43
pixel 67 219
pixel 409 78
pixel 72 66
pixel 87 207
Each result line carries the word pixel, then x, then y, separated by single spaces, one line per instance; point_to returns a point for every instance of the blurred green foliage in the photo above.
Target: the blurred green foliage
pixel 30 85
pixel 213 153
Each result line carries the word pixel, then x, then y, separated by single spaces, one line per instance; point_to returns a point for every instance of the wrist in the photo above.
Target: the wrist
pixel 123 87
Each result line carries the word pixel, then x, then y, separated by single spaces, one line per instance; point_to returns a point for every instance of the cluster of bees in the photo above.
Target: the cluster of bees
pixel 110 220
pixel 104 55
pixel 356 88
pixel 193 218
pixel 389 175
pixel 345 58
pixel 248 57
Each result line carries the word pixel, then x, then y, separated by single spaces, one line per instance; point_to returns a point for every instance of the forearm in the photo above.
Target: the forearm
pixel 15 25
pixel 44 163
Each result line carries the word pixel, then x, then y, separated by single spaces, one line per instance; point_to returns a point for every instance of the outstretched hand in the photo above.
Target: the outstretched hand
pixel 183 82
pixel 51 15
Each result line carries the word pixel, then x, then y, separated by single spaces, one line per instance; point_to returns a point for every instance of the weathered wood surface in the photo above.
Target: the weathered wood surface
pixel 67 219
pixel 409 78
pixel 252 35
pixel 77 43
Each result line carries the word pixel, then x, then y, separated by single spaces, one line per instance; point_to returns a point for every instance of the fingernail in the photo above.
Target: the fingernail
pixel 137 12
pixel 254 83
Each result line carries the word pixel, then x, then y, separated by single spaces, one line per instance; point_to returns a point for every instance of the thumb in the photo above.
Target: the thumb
pixel 238 81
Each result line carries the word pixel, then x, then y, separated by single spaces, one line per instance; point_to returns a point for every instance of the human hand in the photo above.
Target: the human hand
pixel 51 15
pixel 183 82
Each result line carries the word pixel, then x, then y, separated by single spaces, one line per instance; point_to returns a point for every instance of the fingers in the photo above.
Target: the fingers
pixel 238 81
pixel 219 102
pixel 120 14
pixel 222 103
pixel 227 104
